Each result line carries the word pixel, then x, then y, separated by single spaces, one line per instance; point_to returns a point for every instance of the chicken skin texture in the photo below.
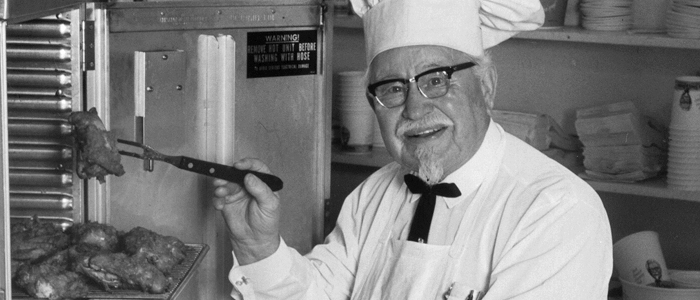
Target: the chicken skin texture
pixel 50 279
pixel 103 237
pixel 165 252
pixel 120 271
pixel 98 155
pixel 32 239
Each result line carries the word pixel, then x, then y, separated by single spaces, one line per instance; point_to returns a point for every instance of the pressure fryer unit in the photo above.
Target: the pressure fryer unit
pixel 216 81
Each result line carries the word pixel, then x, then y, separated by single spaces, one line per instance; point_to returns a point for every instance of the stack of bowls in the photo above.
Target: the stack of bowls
pixel 608 15
pixel 683 19
pixel 355 116
pixel 684 135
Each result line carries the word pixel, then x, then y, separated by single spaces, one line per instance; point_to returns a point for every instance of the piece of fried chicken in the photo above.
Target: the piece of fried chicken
pixel 50 278
pixel 98 155
pixel 165 252
pixel 120 271
pixel 33 239
pixel 103 237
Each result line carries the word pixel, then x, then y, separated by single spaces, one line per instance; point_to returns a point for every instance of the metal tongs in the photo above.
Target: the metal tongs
pixel 211 169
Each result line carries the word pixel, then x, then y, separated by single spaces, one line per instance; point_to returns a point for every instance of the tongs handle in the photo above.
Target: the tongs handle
pixel 228 173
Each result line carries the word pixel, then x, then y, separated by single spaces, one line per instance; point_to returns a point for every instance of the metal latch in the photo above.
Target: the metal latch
pixel 88 45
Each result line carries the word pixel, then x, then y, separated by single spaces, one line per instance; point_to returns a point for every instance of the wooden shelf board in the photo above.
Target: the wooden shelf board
pixel 577 34
pixel 629 38
pixel 655 187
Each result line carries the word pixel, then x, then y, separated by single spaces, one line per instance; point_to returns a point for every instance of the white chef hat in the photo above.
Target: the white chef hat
pixel 466 25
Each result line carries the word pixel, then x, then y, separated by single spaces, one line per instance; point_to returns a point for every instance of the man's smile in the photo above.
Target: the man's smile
pixel 425 133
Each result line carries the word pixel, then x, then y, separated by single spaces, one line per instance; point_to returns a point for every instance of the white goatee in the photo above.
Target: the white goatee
pixel 430 168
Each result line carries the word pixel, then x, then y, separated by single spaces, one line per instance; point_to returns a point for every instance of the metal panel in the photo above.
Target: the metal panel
pixel 5 275
pixel 278 119
pixel 22 10
pixel 181 17
pixel 159 83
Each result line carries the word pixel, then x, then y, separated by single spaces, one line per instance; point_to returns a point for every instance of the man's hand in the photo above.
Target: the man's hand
pixel 251 212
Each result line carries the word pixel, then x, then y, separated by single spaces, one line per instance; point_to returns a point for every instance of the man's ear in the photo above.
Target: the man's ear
pixel 488 85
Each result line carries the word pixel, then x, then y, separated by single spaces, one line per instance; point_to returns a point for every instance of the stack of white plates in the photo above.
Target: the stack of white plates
pixel 683 19
pixel 608 15
pixel 684 136
pixel 354 113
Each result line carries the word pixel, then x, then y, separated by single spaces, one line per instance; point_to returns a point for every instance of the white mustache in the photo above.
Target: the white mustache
pixel 430 121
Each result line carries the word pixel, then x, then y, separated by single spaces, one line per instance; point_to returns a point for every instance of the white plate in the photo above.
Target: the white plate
pixel 693 3
pixel 684 35
pixel 682 19
pixel 606 27
pixel 595 13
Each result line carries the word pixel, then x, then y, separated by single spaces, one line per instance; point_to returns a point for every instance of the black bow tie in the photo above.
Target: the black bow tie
pixel 420 226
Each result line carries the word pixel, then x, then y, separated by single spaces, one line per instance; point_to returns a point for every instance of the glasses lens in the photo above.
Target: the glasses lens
pixel 391 94
pixel 434 84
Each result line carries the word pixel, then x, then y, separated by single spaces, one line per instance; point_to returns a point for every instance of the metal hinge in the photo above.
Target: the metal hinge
pixel 88 45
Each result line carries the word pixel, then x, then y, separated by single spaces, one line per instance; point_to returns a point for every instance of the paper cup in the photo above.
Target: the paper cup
pixel 685 111
pixel 636 254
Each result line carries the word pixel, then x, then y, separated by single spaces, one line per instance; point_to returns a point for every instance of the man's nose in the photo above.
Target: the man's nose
pixel 416 105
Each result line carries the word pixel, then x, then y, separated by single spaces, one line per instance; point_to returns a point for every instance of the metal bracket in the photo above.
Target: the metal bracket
pixel 88 45
pixel 322 13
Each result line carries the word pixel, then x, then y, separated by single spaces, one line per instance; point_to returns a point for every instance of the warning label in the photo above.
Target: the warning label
pixel 282 53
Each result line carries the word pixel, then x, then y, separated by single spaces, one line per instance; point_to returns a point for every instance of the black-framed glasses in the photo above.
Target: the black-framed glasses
pixel 432 83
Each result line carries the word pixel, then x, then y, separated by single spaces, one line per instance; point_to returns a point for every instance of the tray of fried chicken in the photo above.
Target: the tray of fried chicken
pixel 96 261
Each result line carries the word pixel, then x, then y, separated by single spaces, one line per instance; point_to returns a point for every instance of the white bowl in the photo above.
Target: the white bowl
pixel 633 291
pixel 685 278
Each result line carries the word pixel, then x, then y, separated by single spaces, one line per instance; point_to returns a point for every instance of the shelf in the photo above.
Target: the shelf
pixel 577 34
pixel 627 38
pixel 655 187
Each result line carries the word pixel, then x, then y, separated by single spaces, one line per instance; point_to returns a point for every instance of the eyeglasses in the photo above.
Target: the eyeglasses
pixel 432 83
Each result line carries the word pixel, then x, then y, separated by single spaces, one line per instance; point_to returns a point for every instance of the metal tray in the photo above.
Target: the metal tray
pixel 181 276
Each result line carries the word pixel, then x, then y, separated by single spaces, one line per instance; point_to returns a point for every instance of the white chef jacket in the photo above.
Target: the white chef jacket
pixel 539 233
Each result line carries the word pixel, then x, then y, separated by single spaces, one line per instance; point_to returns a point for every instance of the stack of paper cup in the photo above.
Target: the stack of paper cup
pixel 354 112
pixel 684 135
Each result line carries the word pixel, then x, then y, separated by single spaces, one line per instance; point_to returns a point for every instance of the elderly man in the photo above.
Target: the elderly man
pixel 467 211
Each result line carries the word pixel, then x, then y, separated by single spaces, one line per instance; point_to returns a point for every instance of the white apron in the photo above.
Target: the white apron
pixel 415 271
